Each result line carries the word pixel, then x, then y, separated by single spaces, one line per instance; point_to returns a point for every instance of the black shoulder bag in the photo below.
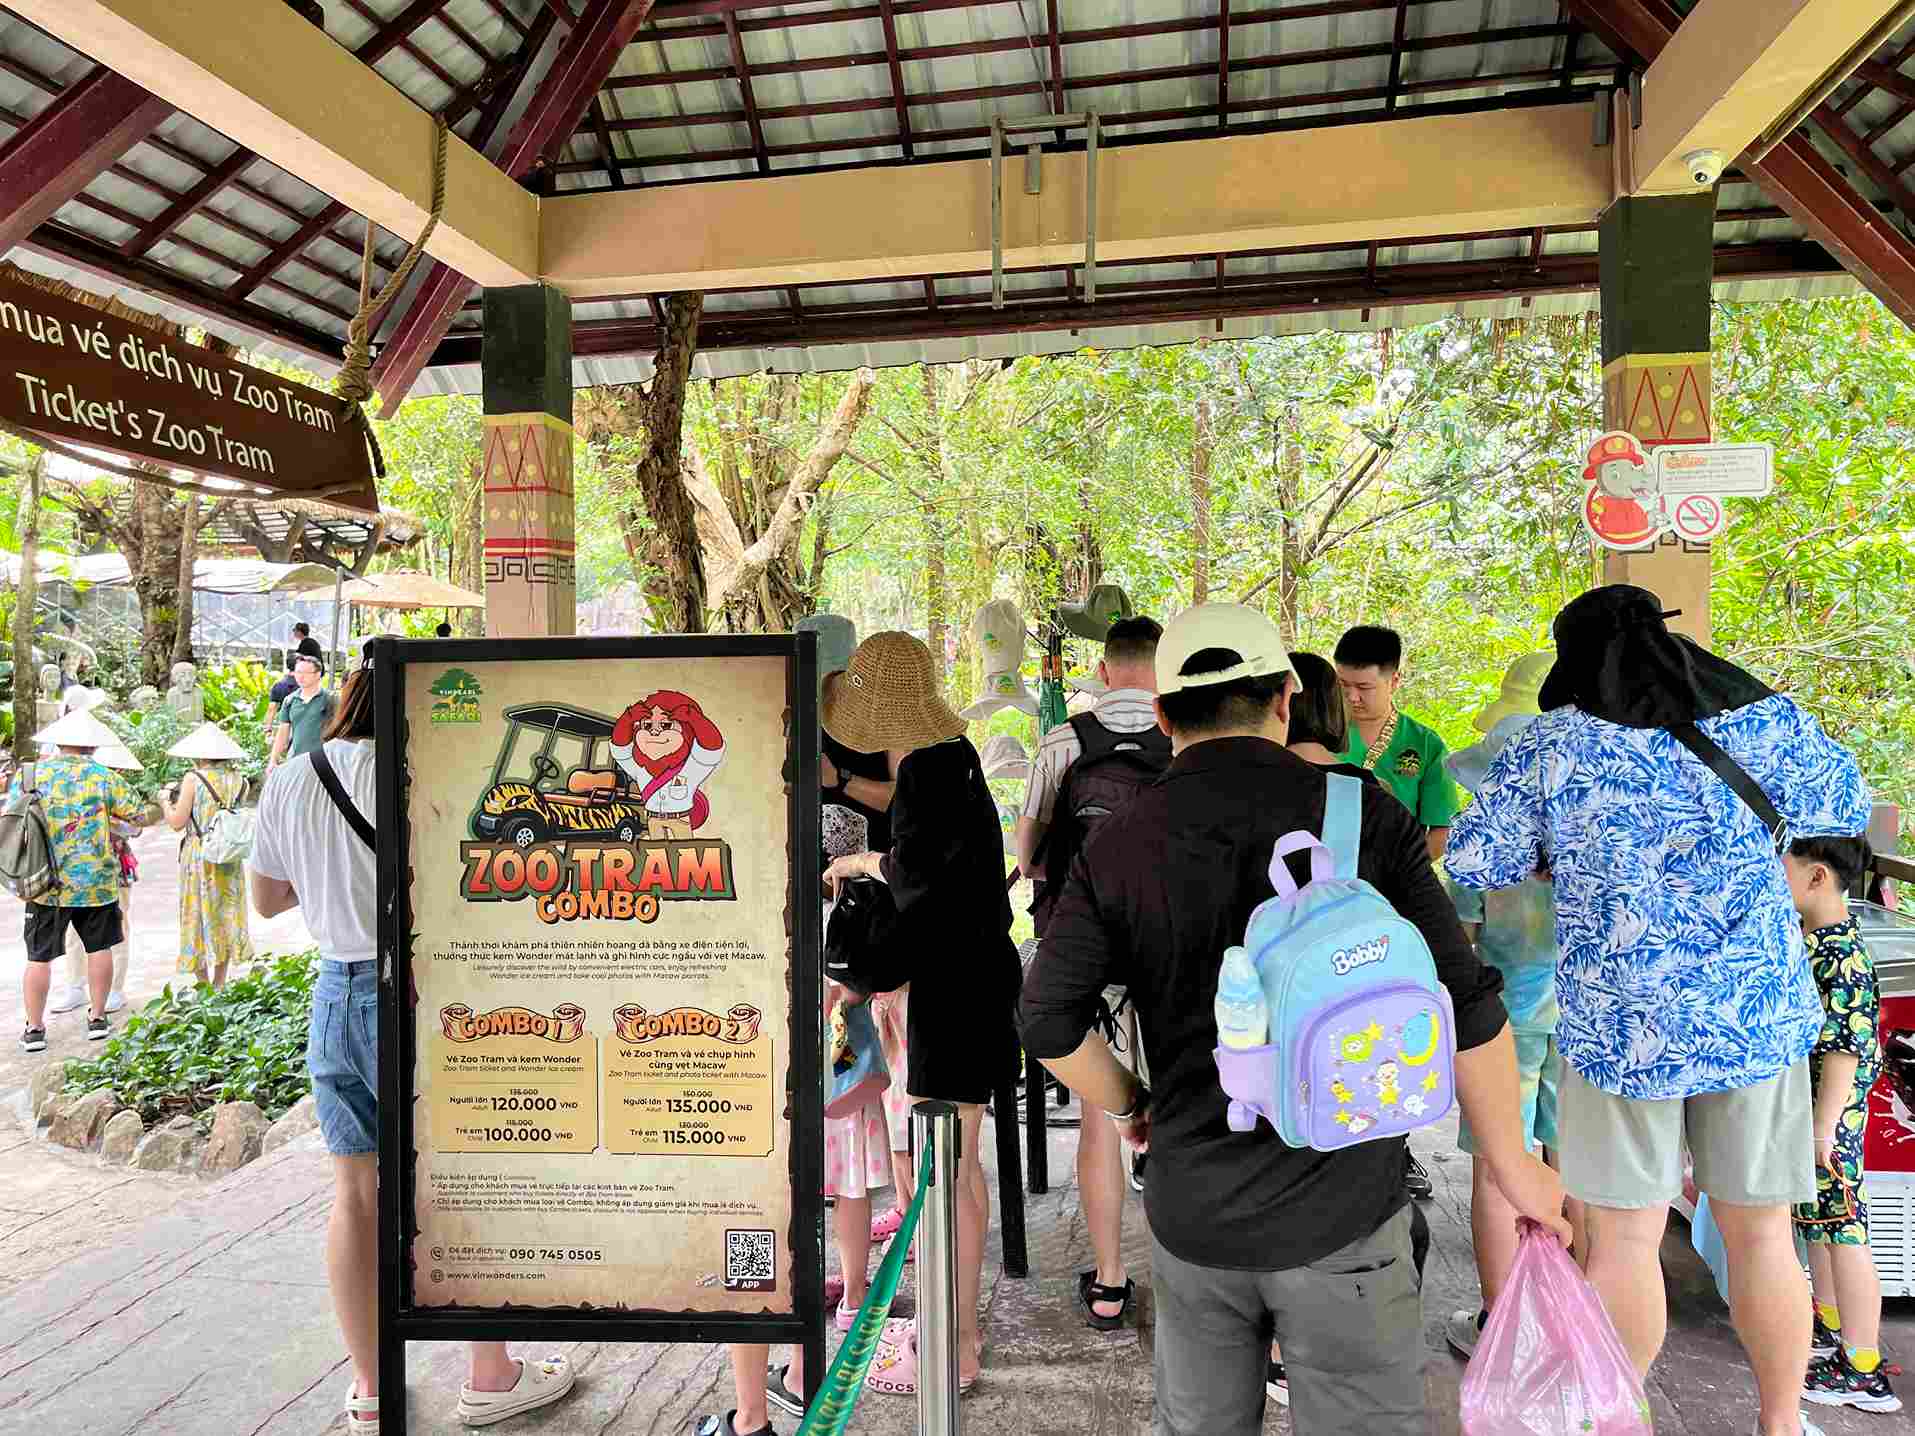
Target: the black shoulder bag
pixel 1733 773
pixel 336 790
pixel 864 946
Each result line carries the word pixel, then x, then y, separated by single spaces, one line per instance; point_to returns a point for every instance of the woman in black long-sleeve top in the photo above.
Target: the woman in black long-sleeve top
pixel 945 869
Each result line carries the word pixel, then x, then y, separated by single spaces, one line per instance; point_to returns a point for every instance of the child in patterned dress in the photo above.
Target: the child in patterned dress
pixel 1846 1369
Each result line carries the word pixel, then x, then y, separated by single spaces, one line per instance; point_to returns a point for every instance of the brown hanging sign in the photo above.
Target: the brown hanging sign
pixel 93 379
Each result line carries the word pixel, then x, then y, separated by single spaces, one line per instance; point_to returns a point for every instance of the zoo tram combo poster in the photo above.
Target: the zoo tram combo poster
pixel 600 1096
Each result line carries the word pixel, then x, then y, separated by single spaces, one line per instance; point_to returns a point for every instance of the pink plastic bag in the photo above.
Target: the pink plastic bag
pixel 1549 1362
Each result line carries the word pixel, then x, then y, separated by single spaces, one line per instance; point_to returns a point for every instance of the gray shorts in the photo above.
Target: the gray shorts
pixel 1752 1147
pixel 1352 1331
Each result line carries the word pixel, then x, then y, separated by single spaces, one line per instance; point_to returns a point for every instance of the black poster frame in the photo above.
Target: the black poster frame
pixel 399 1322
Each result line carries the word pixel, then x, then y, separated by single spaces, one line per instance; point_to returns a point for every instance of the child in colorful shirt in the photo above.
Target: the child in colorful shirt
pixel 1847 1057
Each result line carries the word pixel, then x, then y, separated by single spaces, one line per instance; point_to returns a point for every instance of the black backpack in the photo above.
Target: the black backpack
pixel 1110 771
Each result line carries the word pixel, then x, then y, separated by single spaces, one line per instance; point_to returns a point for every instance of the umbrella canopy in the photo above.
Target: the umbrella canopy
pixel 409 590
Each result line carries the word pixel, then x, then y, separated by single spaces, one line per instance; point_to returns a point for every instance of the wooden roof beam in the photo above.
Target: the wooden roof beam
pixel 68 145
pixel 590 49
pixel 1731 71
pixel 1809 189
pixel 1379 178
pixel 260 74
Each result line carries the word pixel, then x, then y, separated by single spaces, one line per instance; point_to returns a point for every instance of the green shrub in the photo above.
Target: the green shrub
pixel 147 736
pixel 191 1049
pixel 236 691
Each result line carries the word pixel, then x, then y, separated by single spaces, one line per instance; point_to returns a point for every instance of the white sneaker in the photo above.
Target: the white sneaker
pixel 115 1001
pixel 66 999
pixel 1462 1333
pixel 540 1383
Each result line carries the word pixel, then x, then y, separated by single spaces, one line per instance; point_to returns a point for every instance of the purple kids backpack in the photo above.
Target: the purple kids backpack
pixel 1363 1044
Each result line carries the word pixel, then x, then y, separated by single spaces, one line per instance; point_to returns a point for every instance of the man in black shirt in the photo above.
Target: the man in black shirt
pixel 1250 1237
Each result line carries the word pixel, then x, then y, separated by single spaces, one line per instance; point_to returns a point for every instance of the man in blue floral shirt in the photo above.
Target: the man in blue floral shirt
pixel 1688 1009
pixel 81 799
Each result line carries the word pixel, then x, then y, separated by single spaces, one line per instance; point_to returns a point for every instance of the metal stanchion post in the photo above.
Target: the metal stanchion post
pixel 935 1125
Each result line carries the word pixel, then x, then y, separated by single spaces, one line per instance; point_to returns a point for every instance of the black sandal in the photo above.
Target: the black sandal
pixel 1090 1292
pixel 779 1393
pixel 722 1426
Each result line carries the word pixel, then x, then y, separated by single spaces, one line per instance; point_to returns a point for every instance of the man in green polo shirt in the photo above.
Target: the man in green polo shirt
pixel 1405 756
pixel 303 717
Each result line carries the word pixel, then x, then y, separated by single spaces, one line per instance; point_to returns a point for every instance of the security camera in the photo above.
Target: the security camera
pixel 1704 166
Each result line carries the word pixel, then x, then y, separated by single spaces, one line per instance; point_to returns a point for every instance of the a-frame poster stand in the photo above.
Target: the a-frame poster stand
pixel 599 1001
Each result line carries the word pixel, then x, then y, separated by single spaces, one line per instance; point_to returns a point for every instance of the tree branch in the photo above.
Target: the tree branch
pixel 825 452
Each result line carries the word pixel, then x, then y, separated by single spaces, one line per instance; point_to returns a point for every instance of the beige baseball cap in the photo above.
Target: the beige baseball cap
pixel 1255 640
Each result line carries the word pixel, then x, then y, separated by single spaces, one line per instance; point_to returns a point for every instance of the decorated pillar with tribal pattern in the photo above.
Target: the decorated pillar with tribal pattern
pixel 1656 263
pixel 531 576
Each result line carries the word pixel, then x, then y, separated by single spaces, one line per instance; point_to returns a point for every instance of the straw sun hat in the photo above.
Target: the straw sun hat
pixel 207 743
pixel 887 697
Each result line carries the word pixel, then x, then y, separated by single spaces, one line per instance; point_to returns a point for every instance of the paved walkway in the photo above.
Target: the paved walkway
pixel 212 1317
pixel 140 1303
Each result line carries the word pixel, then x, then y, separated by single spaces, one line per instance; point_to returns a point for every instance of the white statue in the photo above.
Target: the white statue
pixel 183 695
pixel 143 699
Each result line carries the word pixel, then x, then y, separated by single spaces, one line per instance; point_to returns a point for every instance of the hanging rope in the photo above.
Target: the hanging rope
pixel 354 383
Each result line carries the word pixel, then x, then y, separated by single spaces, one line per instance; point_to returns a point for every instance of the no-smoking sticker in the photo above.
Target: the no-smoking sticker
pixel 1698 518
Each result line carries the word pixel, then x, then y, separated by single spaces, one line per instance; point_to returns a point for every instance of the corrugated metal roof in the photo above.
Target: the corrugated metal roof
pixel 821 95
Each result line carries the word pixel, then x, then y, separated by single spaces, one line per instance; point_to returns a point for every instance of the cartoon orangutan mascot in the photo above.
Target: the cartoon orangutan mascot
pixel 668 748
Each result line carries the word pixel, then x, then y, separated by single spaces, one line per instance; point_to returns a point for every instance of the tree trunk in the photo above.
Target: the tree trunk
pixel 156 579
pixel 1288 446
pixel 1202 443
pixel 189 556
pixel 674 575
pixel 26 673
pixel 935 538
pixel 764 592
pixel 467 557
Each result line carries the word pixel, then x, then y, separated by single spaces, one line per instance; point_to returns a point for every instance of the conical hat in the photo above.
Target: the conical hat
pixel 77 730
pixel 209 743
pixel 118 755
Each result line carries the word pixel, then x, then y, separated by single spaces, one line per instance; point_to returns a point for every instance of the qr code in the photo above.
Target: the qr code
pixel 751 1260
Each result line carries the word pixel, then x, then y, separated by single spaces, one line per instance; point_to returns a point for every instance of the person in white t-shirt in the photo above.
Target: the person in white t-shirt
pixel 1125 710
pixel 310 853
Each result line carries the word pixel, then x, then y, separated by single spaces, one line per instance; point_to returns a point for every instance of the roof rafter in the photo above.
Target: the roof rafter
pixel 1813 192
pixel 897 77
pixel 585 57
pixel 69 144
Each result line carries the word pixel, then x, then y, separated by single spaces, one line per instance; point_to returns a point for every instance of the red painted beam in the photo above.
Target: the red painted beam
pixel 69 144
pixel 597 39
pixel 1866 160
pixel 1634 29
pixel 1820 199
pixel 1810 190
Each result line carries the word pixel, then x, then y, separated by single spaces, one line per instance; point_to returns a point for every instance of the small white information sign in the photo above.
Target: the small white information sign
pixel 1634 497
pixel 1742 471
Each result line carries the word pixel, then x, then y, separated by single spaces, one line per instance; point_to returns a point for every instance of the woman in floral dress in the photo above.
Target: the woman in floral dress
pixel 213 927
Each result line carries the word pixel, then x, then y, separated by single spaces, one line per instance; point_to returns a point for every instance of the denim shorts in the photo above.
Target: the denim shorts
pixel 342 1054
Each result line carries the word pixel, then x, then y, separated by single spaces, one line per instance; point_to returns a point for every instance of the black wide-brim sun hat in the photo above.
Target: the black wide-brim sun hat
pixel 1617 659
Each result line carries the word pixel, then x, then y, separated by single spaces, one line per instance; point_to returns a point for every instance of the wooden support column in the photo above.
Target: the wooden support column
pixel 1655 264
pixel 531 582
